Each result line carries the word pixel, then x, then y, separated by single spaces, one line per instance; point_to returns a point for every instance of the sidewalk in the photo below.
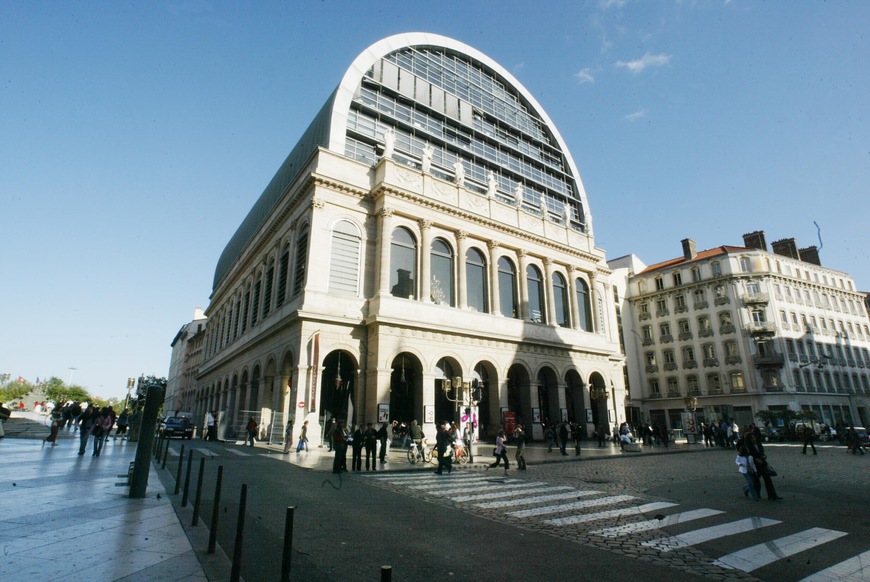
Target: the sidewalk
pixel 63 517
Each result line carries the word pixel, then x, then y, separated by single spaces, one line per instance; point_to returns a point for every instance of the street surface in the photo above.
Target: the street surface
pixel 671 517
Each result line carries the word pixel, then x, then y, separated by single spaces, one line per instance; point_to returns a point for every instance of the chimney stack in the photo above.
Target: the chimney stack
pixel 755 240
pixel 786 247
pixel 689 249
pixel 811 255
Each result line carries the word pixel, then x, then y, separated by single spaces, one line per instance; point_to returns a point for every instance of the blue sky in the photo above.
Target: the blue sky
pixel 134 137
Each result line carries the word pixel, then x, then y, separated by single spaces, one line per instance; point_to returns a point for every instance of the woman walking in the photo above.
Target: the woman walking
pixel 746 466
pixel 500 452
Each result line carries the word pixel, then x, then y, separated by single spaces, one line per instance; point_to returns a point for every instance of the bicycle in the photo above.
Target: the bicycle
pixel 421 453
pixel 456 453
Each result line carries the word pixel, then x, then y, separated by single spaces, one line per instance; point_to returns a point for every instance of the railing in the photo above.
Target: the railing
pixel 681 308
pixel 644 315
pixel 706 332
pixel 768 359
pixel 722 300
pixel 666 338
pixel 761 327
pixel 711 362
pixel 648 341
pixel 701 305
pixel 670 366
pixel 651 368
pixel 685 335
pixel 755 298
pixel 736 359
pixel 662 312
pixel 689 364
pixel 726 328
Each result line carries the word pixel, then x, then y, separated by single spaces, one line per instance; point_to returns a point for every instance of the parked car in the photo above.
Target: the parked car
pixel 176 426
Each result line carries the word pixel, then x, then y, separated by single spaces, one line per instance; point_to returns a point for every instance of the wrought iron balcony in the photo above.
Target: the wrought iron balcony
pixel 689 364
pixel 706 332
pixel 701 305
pixel 681 308
pixel 666 338
pixel 662 312
pixel 730 360
pixel 685 335
pixel 774 359
pixel 755 298
pixel 761 328
pixel 670 366
pixel 648 341
pixel 651 368
pixel 711 362
pixel 726 328
pixel 644 315
pixel 722 300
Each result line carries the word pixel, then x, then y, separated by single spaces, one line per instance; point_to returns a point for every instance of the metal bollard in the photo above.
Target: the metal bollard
pixel 165 454
pixel 235 573
pixel 196 499
pixel 187 480
pixel 386 573
pixel 288 545
pixel 178 473
pixel 212 534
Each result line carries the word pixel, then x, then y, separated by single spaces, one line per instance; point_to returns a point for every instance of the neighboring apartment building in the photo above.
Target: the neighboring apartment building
pixel 733 330
pixel 184 365
pixel 426 248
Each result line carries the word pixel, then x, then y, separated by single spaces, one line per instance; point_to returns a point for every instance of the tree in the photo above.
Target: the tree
pixel 60 393
pixel 15 390
pixel 143 384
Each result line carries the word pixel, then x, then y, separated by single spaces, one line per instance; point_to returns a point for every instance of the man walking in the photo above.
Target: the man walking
pixel 809 435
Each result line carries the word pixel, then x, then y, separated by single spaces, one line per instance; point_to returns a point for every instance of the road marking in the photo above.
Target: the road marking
pixel 235 452
pixel 610 513
pixel 424 477
pixel 571 506
pixel 755 557
pixel 706 534
pixel 629 528
pixel 534 500
pixel 499 495
pixel 857 568
pixel 497 487
pixel 449 486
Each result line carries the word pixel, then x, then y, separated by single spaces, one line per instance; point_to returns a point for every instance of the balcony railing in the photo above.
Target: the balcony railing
pixel 666 338
pixel 651 368
pixel 774 388
pixel 681 308
pixel 648 341
pixel 685 335
pixel 722 300
pixel 774 359
pixel 755 298
pixel 670 366
pixel 701 305
pixel 662 312
pixel 706 332
pixel 689 364
pixel 761 327
pixel 711 362
pixel 726 328
pixel 730 360
pixel 645 315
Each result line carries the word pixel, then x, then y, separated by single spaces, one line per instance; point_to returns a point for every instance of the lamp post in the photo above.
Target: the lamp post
pixel 131 382
pixel 460 390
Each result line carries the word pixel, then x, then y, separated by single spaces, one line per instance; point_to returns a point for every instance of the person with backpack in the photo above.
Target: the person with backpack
pixel 303 438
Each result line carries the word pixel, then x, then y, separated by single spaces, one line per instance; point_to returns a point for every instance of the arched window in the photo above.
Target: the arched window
pixel 283 266
pixel 537 311
pixel 584 306
pixel 301 261
pixel 441 286
pixel 560 297
pixel 475 281
pixel 344 259
pixel 507 288
pixel 267 291
pixel 403 264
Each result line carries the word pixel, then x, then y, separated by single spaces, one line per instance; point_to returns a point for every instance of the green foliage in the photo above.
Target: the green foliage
pixel 143 384
pixel 60 393
pixel 15 390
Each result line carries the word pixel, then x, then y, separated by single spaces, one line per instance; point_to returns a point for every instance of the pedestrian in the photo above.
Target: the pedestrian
pixel 756 449
pixel 603 431
pixel 86 421
pixel 339 441
pixel 747 468
pixel 563 438
pixel 371 447
pixel 288 436
pixel 550 436
pixel 575 434
pixel 329 431
pixel 56 420
pixel 5 413
pixel 384 437
pixel 98 430
pixel 500 452
pixel 854 440
pixel 520 454
pixel 443 439
pixel 303 438
pixel 123 421
pixel 416 435
pixel 357 443
pixel 809 435
pixel 110 423
pixel 252 430
pixel 210 426
pixel 76 415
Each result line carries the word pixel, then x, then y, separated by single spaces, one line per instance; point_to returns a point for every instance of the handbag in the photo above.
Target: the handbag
pixel 770 470
pixel 495 452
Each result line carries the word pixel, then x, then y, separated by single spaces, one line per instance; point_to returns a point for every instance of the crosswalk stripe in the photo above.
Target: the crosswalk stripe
pixel 855 568
pixel 235 452
pixel 499 487
pixel 752 558
pixel 609 514
pixel 571 506
pixel 499 495
pixel 706 534
pixel 534 500
pixel 450 485
pixel 418 477
pixel 629 528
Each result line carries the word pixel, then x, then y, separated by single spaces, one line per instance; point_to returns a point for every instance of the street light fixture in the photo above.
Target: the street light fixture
pixel 459 398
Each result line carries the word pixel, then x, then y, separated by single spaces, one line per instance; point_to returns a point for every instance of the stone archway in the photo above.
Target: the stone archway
pixel 600 398
pixel 548 395
pixel 406 389
pixel 519 396
pixel 445 402
pixel 338 387
pixel 484 381
pixel 575 400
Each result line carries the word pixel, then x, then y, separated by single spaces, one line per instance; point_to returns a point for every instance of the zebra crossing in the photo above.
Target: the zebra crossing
pixel 558 506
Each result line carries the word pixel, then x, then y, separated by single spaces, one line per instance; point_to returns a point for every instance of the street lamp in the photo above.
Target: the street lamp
pixel 691 403
pixel 459 398
pixel 131 382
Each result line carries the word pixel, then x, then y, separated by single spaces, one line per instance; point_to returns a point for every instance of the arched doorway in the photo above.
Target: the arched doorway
pixel 254 391
pixel 337 387
pixel 600 398
pixel 485 391
pixel 406 389
pixel 548 396
pixel 574 400
pixel 445 401
pixel 518 396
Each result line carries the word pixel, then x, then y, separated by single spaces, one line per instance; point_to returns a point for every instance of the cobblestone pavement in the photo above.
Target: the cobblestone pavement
pixel 685 511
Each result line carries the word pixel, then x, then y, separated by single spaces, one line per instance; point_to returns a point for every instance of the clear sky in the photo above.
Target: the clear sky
pixel 135 136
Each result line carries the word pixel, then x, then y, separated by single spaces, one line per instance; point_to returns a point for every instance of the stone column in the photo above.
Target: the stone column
pixel 425 260
pixel 428 399
pixel 593 303
pixel 551 296
pixel 494 299
pixel 461 249
pixel 572 297
pixel 385 232
pixel 524 284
